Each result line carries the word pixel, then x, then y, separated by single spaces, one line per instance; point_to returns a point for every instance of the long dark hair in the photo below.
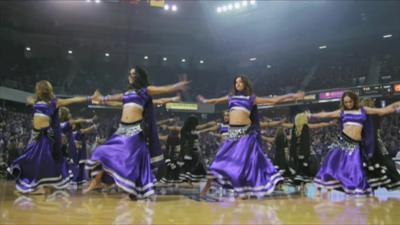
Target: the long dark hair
pixel 353 97
pixel 187 139
pixel 190 124
pixel 173 138
pixel 141 79
pixel 304 141
pixel 248 89
pixel 280 138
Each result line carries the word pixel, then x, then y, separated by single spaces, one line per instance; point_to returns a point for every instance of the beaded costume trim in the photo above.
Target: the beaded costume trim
pixel 345 145
pixel 235 133
pixel 129 130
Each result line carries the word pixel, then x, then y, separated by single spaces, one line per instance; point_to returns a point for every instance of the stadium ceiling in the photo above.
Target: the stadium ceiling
pixel 196 30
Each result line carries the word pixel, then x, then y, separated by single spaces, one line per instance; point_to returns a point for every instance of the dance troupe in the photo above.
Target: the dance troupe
pixel 357 162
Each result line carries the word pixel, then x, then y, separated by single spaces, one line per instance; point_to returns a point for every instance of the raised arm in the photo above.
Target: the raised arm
pixel 111 100
pixel 392 108
pixel 321 125
pixel 218 135
pixel 287 125
pixel 75 121
pixel 214 101
pixel 78 99
pixel 163 137
pixel 279 99
pixel 272 123
pixel 88 129
pixel 115 100
pixel 30 100
pixel 171 128
pixel 113 103
pixel 73 100
pixel 209 129
pixel 162 122
pixel 321 115
pixel 165 89
pixel 270 140
pixel 162 101
pixel 202 126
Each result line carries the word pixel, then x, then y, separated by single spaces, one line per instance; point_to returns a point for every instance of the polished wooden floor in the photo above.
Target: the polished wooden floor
pixel 71 207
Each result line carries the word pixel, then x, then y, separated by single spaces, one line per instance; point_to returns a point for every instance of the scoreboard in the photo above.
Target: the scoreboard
pixel 378 89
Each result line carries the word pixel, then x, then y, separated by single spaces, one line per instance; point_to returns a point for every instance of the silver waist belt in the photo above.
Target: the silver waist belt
pixel 345 145
pixel 36 134
pixel 235 133
pixel 129 130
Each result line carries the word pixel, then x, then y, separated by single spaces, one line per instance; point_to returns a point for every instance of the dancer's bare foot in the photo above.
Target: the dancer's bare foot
pixel 203 193
pixel 133 197
pixel 279 187
pixel 48 190
pixel 243 197
pixel 206 188
pixel 318 193
pixel 327 194
pixel 92 186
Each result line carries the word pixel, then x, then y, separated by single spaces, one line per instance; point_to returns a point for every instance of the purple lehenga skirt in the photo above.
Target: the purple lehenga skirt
pixel 79 171
pixel 342 168
pixel 126 159
pixel 80 174
pixel 38 167
pixel 241 165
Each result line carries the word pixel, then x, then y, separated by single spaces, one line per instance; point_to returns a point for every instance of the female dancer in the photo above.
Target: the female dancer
pixel 380 168
pixel 67 126
pixel 281 159
pixel 302 162
pixel 221 128
pixel 191 159
pixel 172 158
pixel 80 137
pixel 42 163
pixel 342 167
pixel 127 156
pixel 240 164
pixel 194 168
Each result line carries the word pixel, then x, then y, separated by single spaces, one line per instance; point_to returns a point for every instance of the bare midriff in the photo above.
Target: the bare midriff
pixel 131 114
pixel 239 117
pixel 40 122
pixel 352 131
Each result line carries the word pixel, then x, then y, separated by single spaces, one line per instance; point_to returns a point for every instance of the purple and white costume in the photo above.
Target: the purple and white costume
pixel 342 168
pixel 42 163
pixel 127 156
pixel 79 171
pixel 240 163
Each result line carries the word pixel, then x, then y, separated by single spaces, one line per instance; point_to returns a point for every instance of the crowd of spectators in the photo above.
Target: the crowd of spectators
pixel 341 68
pixel 76 76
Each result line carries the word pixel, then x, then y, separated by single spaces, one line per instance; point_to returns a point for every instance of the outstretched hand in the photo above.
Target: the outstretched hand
pixel 299 95
pixel 96 97
pixel 333 122
pixel 94 118
pixel 177 98
pixel 200 99
pixel 30 100
pixel 308 114
pixel 182 85
pixel 183 77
